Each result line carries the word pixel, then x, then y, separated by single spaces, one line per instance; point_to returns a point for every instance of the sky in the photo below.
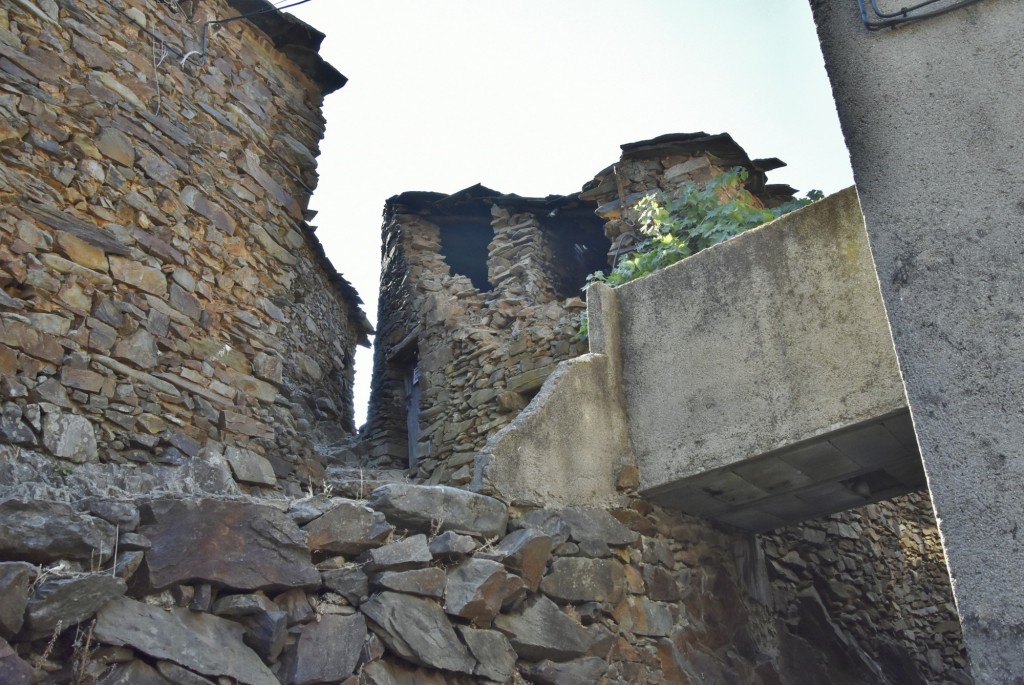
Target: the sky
pixel 535 96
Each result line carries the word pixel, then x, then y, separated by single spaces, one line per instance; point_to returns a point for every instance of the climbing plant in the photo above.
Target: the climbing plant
pixel 694 217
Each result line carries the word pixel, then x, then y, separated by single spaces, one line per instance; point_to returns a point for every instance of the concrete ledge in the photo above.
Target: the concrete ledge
pixel 567 447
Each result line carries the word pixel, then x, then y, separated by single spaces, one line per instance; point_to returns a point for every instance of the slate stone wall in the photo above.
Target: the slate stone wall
pixel 416 584
pixel 162 294
pixel 879 575
pixel 479 355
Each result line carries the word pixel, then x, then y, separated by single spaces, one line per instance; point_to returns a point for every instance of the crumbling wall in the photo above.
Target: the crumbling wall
pixel 478 355
pixel 162 296
pixel 481 349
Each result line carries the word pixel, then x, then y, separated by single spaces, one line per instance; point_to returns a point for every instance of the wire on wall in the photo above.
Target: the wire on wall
pixel 878 19
pixel 198 55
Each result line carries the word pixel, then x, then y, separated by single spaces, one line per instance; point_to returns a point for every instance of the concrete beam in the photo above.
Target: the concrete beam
pixel 933 120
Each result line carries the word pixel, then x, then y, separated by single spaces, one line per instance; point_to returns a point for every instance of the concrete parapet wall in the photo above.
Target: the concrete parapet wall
pixel 773 338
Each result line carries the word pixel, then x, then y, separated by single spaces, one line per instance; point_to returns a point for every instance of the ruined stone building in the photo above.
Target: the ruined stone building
pixel 481 295
pixel 176 365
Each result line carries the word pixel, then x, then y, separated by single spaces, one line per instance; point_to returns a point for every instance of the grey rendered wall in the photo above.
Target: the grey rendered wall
pixel 934 121
pixel 773 338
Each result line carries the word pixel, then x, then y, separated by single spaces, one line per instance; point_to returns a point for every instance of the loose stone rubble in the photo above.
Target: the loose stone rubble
pixel 636 594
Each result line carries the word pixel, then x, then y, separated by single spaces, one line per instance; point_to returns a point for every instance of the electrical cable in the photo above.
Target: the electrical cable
pixel 184 57
pixel 904 14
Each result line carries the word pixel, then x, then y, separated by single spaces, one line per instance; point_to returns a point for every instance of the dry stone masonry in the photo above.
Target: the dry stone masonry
pixel 417 584
pixel 875 577
pixel 165 307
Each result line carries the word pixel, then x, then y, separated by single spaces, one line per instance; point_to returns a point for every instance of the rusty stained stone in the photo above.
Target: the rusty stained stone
pixel 525 552
pixel 24 337
pixel 145 278
pixel 8 361
pixel 477 588
pixel 81 252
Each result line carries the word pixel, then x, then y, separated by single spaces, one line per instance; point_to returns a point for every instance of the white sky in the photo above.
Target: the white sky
pixel 534 97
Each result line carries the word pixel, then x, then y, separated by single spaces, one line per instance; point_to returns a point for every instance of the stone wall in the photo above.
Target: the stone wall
pixel 480 350
pixel 417 584
pixel 163 298
pixel 879 574
pixel 481 295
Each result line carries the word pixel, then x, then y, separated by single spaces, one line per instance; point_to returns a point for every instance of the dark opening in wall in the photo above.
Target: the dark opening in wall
pixel 580 248
pixel 464 242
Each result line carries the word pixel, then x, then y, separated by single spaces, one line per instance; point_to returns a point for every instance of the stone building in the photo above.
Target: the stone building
pixel 164 300
pixel 481 295
pixel 174 349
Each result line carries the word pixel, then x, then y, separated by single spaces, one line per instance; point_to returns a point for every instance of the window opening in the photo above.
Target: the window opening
pixel 464 242
pixel 579 248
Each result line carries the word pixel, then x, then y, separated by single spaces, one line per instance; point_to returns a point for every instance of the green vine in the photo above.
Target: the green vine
pixel 694 217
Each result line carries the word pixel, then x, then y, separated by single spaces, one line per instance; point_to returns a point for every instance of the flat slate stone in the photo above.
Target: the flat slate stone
pixel 428 582
pixel 15 577
pixel 243 605
pixel 43 532
pixel 249 467
pixel 398 555
pixel 348 528
pixel 326 651
pixel 542 631
pixel 641 616
pixel 69 601
pixel 494 652
pixel 580 526
pixel 525 552
pixel 350 582
pixel 266 633
pixel 428 507
pixel 189 538
pixel 476 590
pixel 585 670
pixel 70 437
pixel 200 642
pixel 578 579
pixel 417 630
pixel 449 544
